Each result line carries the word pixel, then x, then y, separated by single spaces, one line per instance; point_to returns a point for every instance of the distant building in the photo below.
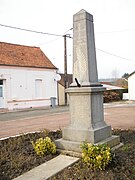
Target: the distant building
pixel 131 86
pixel 112 84
pixel 61 88
pixel 110 81
pixel 116 85
pixel 107 83
pixel 27 77
pixel 112 88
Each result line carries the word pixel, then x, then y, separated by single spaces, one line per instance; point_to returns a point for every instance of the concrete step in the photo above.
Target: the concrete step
pixel 48 169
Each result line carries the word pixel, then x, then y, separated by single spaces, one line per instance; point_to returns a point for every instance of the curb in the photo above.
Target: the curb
pixel 49 169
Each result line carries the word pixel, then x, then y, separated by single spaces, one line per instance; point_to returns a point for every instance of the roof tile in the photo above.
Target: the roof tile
pixel 24 56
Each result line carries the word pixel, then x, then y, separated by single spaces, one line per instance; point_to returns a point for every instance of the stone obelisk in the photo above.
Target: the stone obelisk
pixel 85 93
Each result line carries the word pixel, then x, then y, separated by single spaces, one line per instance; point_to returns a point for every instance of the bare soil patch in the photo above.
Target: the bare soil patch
pixel 17 156
pixel 121 168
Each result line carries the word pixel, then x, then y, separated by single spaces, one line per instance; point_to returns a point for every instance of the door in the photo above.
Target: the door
pixel 1 97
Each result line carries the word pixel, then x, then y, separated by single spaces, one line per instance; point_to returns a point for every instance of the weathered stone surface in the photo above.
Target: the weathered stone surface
pixel 85 94
pixel 84 60
pixel 74 146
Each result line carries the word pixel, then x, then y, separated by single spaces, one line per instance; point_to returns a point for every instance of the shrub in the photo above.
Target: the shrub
pixel 44 146
pixel 96 156
pixel 110 96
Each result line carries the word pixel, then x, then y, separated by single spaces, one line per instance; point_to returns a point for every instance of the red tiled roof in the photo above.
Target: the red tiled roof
pixel 24 56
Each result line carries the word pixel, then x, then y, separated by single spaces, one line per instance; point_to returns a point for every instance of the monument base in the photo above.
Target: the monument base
pixel 87 135
pixel 74 146
pixel 86 120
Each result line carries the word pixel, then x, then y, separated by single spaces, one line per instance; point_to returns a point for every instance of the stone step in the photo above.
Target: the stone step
pixel 49 169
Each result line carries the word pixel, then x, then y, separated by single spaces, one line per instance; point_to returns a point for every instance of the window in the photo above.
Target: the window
pixel 1 82
pixel 1 92
pixel 38 88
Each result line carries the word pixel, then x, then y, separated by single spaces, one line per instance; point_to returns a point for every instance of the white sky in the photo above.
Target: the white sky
pixel 114 24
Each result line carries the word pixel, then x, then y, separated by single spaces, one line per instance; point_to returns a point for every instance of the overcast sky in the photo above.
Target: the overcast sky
pixel 114 24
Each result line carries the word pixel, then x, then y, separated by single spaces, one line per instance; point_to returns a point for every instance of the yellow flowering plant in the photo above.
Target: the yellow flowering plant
pixel 44 146
pixel 96 156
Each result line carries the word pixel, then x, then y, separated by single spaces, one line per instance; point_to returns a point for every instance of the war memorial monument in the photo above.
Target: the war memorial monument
pixel 85 93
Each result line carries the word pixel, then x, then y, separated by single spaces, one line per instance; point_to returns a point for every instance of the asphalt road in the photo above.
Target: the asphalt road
pixel 30 113
pixel 119 116
pixel 37 112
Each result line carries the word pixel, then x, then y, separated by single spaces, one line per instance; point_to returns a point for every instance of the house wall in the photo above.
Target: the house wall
pixel 131 87
pixel 20 87
pixel 61 94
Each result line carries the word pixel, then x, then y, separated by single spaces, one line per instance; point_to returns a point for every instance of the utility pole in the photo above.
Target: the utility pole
pixel 65 66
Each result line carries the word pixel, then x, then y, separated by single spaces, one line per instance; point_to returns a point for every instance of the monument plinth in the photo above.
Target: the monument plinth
pixel 85 93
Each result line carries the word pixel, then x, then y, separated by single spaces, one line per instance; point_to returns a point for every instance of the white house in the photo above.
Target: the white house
pixel 27 77
pixel 131 86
